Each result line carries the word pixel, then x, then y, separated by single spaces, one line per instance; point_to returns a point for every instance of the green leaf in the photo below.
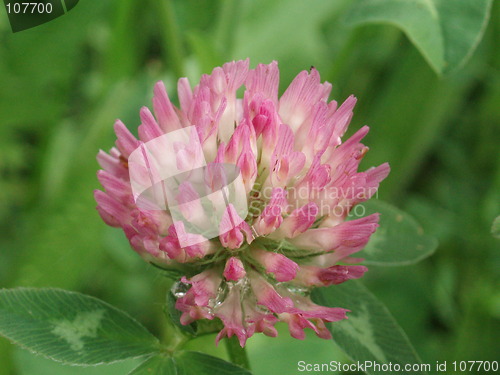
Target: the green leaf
pixel 370 333
pixel 55 222
pixel 30 364
pixel 187 363
pixel 446 32
pixel 398 241
pixel 298 24
pixel 71 327
pixel 157 365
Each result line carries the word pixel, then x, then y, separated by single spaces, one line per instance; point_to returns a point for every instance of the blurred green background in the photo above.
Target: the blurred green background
pixel 64 83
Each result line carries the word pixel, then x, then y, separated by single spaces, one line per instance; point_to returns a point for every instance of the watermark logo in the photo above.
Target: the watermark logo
pixel 25 14
pixel 204 199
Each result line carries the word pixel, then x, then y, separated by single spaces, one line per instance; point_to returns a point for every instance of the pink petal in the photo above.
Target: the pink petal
pixel 306 313
pixel 204 286
pixel 164 110
pixel 267 295
pixel 349 149
pixel 149 129
pixel 347 237
pixel 224 82
pixel 232 227
pixel 248 166
pixel 125 142
pixel 174 244
pixel 376 175
pixel 296 325
pixel 113 164
pixel 238 142
pixel 116 187
pixel 264 79
pixel 258 321
pixel 283 268
pixel 262 115
pixel 193 303
pixel 112 212
pixel 190 203
pixel 236 73
pixel 341 119
pixel 314 182
pixel 189 156
pixel 231 315
pixel 285 163
pixel 271 218
pixel 234 269
pixel 185 94
pixel 317 276
pixel 299 98
pixel 339 274
pixel 297 222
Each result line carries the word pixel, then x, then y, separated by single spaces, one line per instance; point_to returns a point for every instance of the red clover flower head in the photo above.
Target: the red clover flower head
pixel 248 196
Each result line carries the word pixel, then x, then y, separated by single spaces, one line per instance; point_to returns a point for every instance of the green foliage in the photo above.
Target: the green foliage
pixel 446 32
pixel 71 327
pixel 287 352
pixel 398 241
pixel 29 364
pixel 370 333
pixel 259 21
pixel 64 83
pixel 186 363
pixel 160 364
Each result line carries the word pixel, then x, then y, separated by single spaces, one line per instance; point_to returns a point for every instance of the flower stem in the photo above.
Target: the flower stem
pixel 237 354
